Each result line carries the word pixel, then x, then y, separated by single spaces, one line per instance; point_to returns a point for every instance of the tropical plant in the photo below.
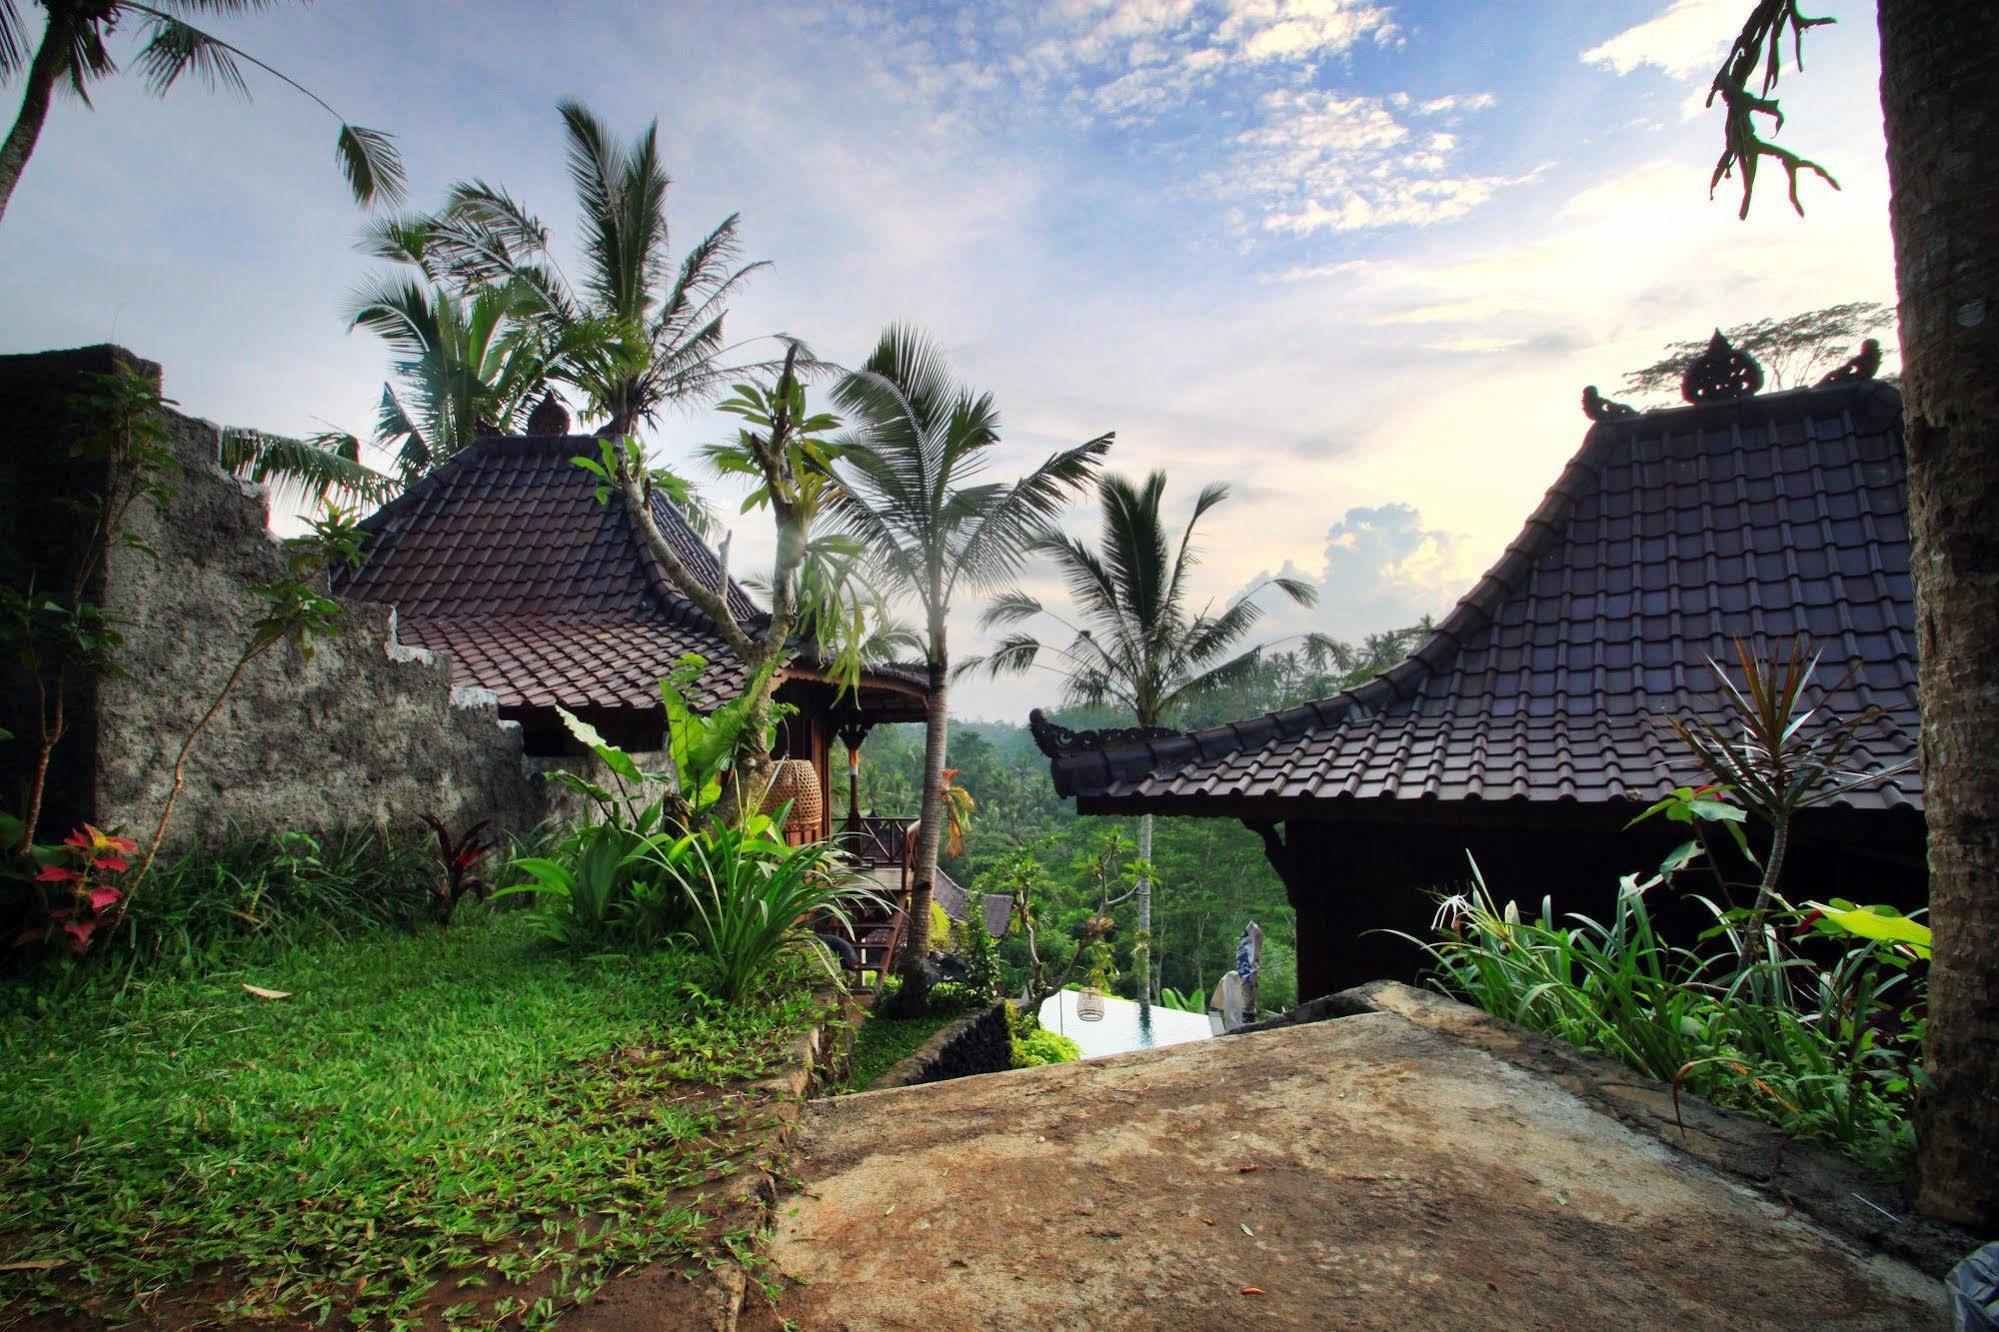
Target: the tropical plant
pixel 645 333
pixel 326 468
pixel 815 584
pixel 458 857
pixel 585 889
pixel 1822 1049
pixel 1774 754
pixel 1183 1003
pixel 1134 639
pixel 1033 1045
pixel 465 366
pixel 754 901
pixel 78 894
pixel 75 51
pixel 913 497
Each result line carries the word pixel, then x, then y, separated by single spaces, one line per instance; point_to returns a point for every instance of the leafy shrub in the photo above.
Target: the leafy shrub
pixel 214 900
pixel 753 901
pixel 1819 1048
pixel 1035 1045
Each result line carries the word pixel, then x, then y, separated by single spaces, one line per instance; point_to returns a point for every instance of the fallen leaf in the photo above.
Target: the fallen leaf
pixel 263 993
pixel 1252 1290
pixel 1208 1220
pixel 1247 1170
pixel 37 1265
pixel 1247 1231
pixel 891 1209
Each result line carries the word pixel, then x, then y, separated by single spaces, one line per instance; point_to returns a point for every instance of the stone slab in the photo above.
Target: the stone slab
pixel 1367 1172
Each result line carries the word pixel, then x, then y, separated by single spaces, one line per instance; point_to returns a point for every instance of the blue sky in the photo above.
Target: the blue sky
pixel 1355 258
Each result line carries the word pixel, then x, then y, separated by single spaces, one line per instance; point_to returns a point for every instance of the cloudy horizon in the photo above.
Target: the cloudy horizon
pixel 1355 259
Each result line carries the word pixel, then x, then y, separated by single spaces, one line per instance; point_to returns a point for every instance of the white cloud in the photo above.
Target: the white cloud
pixel 1381 568
pixel 1323 162
pixel 1686 40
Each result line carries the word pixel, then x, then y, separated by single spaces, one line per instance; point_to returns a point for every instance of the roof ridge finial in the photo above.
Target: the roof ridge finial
pixel 550 416
pixel 1720 373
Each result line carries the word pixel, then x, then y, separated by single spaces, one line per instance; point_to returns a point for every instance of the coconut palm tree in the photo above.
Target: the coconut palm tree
pixel 1134 640
pixel 465 366
pixel 74 51
pixel 645 332
pixel 912 495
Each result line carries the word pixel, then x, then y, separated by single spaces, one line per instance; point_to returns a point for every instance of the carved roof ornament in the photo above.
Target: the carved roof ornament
pixel 1599 408
pixel 1055 740
pixel 1864 364
pixel 549 417
pixel 1721 373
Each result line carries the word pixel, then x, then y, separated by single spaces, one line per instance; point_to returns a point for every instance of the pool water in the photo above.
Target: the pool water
pixel 1120 1029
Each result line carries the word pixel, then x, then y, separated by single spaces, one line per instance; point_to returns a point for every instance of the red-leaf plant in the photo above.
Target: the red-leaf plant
pixel 76 893
pixel 460 857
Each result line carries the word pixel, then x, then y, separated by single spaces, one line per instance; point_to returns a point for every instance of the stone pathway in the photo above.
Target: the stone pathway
pixel 1383 1170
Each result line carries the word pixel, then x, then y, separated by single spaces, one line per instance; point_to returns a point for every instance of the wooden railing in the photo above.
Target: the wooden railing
pixel 876 840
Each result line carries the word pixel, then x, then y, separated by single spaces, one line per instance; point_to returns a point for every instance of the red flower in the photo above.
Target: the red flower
pixel 108 863
pixel 58 874
pixel 104 897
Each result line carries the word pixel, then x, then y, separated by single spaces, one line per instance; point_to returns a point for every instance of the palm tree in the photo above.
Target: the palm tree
pixel 324 469
pixel 1134 642
pixel 912 497
pixel 465 366
pixel 73 50
pixel 643 332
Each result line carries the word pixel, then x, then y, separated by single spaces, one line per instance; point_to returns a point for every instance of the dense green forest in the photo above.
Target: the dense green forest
pixel 1210 875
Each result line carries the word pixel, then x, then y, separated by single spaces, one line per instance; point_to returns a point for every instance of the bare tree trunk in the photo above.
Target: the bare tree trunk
pixel 911 998
pixel 43 72
pixel 1941 105
pixel 1144 958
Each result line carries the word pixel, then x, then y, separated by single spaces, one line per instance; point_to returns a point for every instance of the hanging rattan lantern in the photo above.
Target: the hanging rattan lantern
pixel 1090 1005
pixel 797 781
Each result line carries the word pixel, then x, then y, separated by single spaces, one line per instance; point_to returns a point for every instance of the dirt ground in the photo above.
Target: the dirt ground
pixel 1365 1172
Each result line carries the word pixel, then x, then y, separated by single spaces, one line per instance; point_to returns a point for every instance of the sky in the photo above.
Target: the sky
pixel 1354 258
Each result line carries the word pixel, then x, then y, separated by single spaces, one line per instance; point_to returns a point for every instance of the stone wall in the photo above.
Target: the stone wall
pixel 366 733
pixel 976 1043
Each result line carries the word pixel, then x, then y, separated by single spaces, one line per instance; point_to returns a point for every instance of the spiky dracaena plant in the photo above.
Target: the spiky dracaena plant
pixel 1777 755
pixel 914 497
pixel 1134 641
pixel 75 51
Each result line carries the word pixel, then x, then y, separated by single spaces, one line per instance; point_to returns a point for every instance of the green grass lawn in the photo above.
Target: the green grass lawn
pixel 881 1043
pixel 426 1121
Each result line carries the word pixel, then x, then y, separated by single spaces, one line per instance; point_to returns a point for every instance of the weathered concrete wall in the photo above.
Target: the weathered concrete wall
pixel 365 733
pixel 976 1043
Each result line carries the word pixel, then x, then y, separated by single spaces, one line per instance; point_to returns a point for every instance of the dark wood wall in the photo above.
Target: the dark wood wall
pixel 1354 880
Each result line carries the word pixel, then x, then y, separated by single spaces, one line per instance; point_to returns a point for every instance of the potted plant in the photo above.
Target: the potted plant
pixel 1090 1003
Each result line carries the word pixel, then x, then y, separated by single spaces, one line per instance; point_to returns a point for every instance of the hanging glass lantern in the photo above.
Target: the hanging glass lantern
pixel 1090 1004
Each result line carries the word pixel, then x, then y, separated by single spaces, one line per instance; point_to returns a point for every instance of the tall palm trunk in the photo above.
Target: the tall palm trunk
pixel 43 72
pixel 914 991
pixel 1145 914
pixel 1941 104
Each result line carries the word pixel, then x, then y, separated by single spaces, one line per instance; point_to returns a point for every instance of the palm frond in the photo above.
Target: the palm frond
pixel 369 160
pixel 14 49
pixel 326 467
pixel 174 48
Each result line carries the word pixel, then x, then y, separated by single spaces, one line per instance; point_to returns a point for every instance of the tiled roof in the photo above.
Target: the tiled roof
pixel 504 558
pixel 1669 535
pixel 996 908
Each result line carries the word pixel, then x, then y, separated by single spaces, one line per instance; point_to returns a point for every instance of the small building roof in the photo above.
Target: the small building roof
pixel 995 909
pixel 1670 534
pixel 505 559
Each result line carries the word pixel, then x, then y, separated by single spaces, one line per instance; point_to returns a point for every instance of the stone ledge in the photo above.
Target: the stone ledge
pixel 1839 1193
pixel 975 1043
